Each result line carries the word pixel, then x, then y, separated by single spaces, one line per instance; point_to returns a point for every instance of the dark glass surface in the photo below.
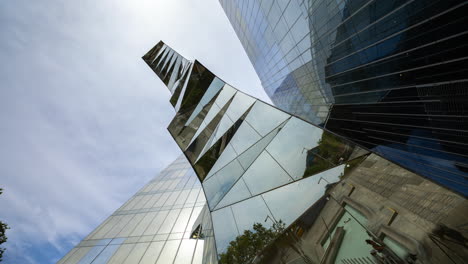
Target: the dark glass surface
pixel 389 75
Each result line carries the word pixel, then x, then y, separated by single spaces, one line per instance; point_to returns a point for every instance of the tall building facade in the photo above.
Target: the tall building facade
pixel 283 190
pixel 389 75
pixel 165 222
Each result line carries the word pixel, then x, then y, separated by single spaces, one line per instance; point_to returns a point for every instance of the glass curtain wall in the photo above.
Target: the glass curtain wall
pixel 389 75
pixel 154 226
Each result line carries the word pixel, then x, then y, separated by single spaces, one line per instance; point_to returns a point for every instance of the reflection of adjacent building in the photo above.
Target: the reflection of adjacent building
pixel 411 217
pixel 389 75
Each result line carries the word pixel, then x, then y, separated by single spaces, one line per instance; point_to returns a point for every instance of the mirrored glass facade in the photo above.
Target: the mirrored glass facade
pixel 167 221
pixel 283 190
pixel 389 75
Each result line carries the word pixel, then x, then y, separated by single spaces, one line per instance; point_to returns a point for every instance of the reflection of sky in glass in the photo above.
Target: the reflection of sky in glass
pixel 291 144
pixel 265 174
pixel 290 201
pixel 249 212
pixel 225 228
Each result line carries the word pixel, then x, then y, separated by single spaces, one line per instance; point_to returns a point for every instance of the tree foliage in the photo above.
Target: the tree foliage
pixel 3 238
pixel 245 247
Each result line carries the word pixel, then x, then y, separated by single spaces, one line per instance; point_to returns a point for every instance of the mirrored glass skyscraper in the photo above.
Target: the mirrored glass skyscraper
pixel 282 190
pixel 389 75
pixel 156 225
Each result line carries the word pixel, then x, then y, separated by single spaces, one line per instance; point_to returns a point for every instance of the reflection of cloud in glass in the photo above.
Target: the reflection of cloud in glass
pixel 290 201
pixel 289 145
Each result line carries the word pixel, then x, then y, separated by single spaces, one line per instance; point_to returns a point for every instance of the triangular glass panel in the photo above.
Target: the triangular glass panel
pixel 157 62
pixel 290 147
pixel 211 92
pixel 194 149
pixel 219 184
pixel 264 117
pixel 150 56
pixel 224 96
pixel 166 62
pixel 227 156
pixel 180 88
pixel 237 193
pixel 224 125
pixel 245 137
pixel 175 74
pixel 159 53
pixel 238 108
pixel 247 157
pixel 170 71
pixel 304 193
pixel 265 174
pixel 186 134
pixel 207 160
pixel 198 83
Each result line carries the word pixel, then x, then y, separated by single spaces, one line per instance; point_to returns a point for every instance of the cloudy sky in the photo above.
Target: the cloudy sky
pixel 82 118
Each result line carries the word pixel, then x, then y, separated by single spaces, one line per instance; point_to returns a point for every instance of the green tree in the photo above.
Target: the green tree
pixel 3 238
pixel 245 247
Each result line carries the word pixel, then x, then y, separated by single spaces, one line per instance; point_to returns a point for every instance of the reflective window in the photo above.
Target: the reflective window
pixel 169 251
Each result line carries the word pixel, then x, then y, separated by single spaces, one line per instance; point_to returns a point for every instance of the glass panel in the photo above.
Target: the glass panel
pixel 91 255
pixel 67 256
pixel 156 223
pixel 161 237
pixel 171 200
pixel 290 147
pixel 224 227
pixel 227 156
pixel 119 226
pixel 169 222
pixel 137 253
pixel 264 117
pixel 169 252
pixel 195 213
pixel 106 227
pixel 80 252
pixel 239 105
pixel 245 137
pixel 249 156
pixel 224 96
pixel 198 255
pixel 220 183
pixel 182 220
pixel 212 90
pixel 121 254
pixel 290 201
pixel 265 174
pixel 106 254
pixel 238 192
pixel 117 241
pixel 182 197
pixel 185 252
pixel 220 130
pixel 249 212
pixel 152 253
pixel 131 225
pixel 144 223
pixel 193 196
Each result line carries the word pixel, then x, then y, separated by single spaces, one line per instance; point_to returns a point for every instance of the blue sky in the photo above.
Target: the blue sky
pixel 82 118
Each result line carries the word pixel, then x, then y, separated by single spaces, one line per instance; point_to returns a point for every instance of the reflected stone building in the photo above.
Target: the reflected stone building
pixel 389 75
pixel 282 190
pixel 155 225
